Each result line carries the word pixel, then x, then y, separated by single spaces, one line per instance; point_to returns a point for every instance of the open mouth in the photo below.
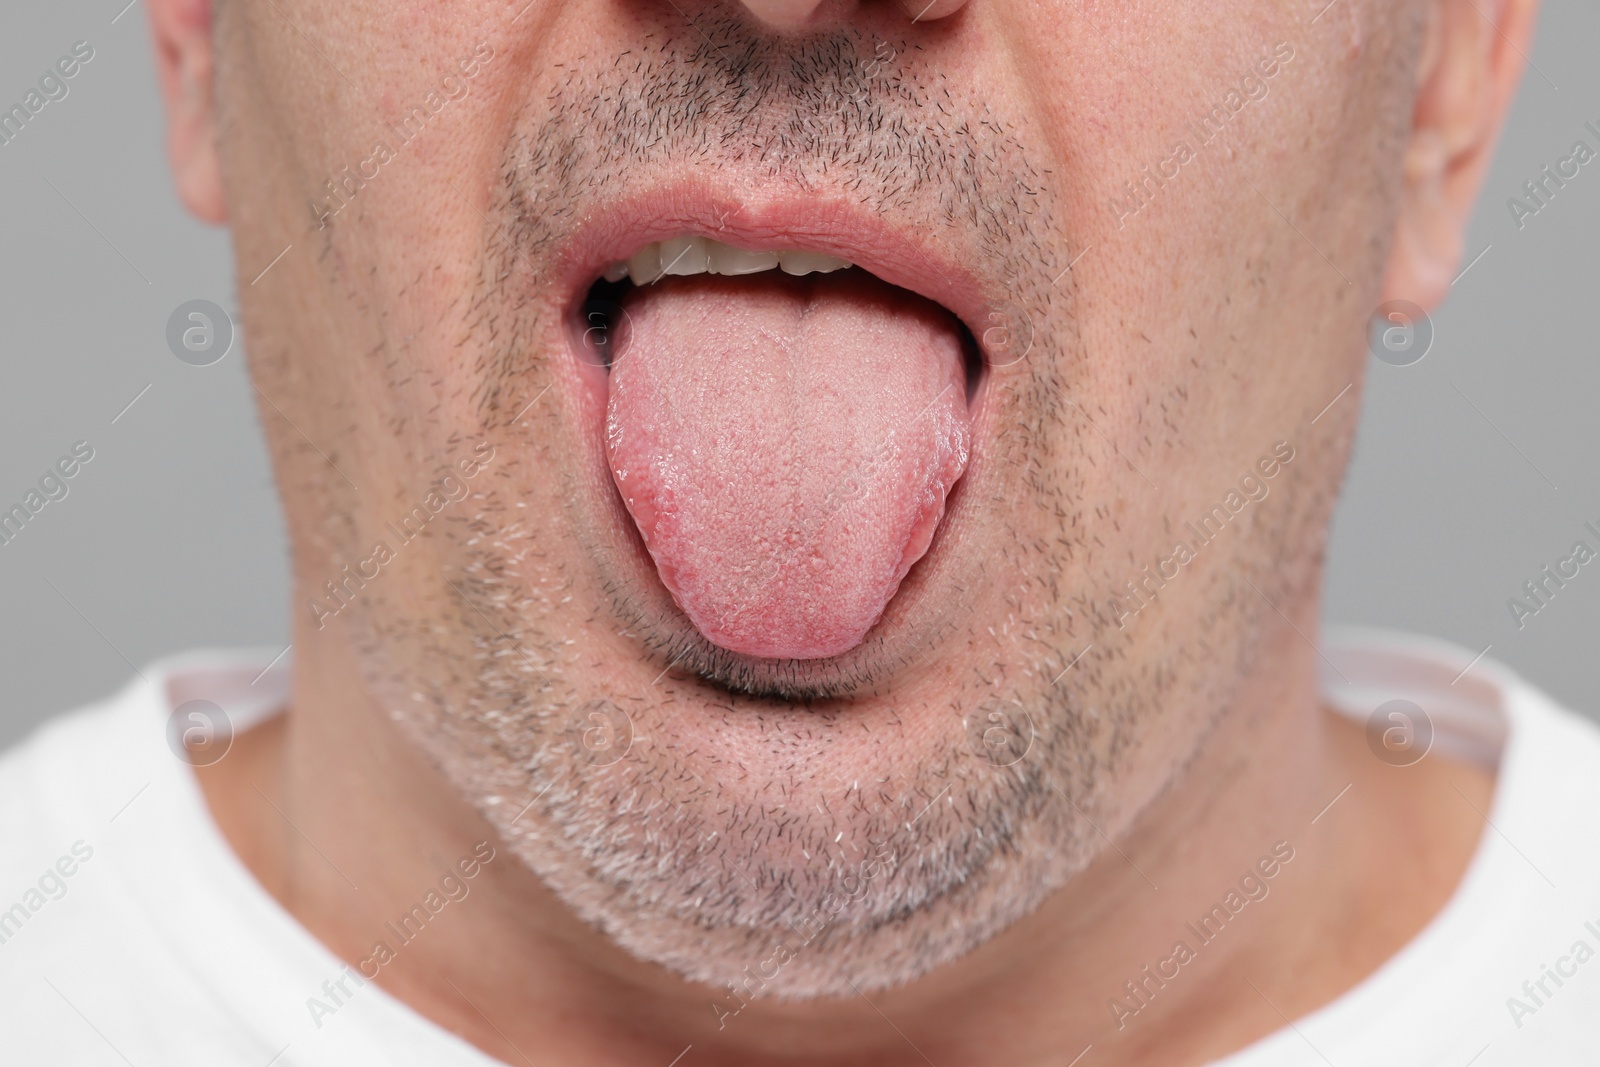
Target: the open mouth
pixel 783 426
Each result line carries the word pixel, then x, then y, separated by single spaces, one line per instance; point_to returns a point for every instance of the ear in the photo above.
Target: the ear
pixel 1472 60
pixel 184 64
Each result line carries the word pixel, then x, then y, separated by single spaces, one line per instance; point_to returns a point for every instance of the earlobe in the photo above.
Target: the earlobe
pixel 1472 59
pixel 181 31
pixel 1428 234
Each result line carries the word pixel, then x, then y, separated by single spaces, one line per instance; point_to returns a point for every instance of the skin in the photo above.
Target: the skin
pixel 990 913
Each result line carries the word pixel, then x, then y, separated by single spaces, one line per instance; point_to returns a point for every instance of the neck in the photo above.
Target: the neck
pixel 1174 944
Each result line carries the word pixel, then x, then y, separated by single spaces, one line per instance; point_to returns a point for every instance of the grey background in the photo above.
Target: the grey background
pixel 171 537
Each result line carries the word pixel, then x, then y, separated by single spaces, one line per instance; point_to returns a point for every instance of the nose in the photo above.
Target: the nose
pixel 797 15
pixel 928 10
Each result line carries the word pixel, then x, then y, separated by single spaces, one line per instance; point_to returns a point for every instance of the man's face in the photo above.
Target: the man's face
pixel 626 555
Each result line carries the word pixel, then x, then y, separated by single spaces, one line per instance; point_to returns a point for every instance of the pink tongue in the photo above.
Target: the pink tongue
pixel 785 446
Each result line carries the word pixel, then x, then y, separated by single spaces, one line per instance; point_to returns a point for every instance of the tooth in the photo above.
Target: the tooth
pixel 685 255
pixel 796 262
pixel 644 266
pixel 728 260
pixel 698 255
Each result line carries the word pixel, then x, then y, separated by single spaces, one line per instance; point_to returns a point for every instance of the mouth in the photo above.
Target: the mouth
pixel 786 418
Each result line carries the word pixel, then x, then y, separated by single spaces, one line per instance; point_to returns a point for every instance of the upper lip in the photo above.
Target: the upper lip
pixel 746 219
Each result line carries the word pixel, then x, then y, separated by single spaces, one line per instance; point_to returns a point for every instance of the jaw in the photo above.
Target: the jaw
pixel 673 850
pixel 555 603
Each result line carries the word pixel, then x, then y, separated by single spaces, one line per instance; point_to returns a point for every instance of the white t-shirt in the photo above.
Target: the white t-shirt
pixel 131 932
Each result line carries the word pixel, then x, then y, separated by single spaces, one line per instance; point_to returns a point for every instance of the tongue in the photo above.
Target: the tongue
pixel 785 446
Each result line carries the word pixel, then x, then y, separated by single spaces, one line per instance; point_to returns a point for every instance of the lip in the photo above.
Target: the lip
pixel 916 616
pixel 832 226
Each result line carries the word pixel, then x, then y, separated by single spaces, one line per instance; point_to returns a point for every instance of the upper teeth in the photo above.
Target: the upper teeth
pixel 701 255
